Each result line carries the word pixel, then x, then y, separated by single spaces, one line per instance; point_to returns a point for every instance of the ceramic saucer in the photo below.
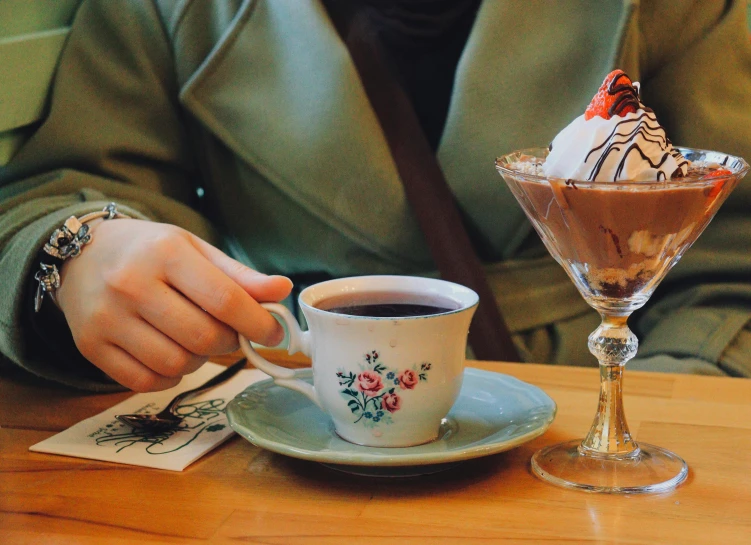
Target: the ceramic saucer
pixel 494 413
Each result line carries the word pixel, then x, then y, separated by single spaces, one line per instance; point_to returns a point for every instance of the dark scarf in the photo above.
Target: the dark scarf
pixel 421 24
pixel 423 41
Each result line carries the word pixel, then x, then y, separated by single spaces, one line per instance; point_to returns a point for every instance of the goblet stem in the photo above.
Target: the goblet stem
pixel 613 344
pixel 608 459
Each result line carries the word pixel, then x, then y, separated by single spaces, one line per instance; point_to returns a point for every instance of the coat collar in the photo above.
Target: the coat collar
pixel 280 90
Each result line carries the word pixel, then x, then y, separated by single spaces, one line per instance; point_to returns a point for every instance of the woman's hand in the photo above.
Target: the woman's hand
pixel 148 302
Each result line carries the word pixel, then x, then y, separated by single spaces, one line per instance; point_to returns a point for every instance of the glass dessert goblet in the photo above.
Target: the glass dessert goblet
pixel 617 241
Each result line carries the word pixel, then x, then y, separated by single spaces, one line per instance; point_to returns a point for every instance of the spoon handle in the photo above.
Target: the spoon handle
pixel 228 373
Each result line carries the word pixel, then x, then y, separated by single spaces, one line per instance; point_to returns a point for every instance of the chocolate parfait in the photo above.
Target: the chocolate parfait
pixel 615 203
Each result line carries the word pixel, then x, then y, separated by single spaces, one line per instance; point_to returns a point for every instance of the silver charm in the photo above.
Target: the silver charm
pixel 67 241
pixel 111 210
pixel 49 280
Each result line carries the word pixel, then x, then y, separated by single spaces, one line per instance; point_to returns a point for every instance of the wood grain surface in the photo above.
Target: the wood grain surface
pixel 240 493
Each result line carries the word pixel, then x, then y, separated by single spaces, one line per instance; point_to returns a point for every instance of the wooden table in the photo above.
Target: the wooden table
pixel 242 494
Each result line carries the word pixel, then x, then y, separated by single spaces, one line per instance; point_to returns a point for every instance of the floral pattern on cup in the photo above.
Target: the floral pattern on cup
pixel 375 393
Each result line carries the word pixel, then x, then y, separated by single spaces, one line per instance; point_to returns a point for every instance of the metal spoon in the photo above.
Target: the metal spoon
pixel 167 419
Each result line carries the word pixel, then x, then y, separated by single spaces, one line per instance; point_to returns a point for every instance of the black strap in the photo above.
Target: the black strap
pixel 426 188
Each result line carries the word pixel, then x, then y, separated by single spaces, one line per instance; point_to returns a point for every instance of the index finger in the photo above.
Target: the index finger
pixel 207 286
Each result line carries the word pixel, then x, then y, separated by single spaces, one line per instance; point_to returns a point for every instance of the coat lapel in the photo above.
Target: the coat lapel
pixel 281 91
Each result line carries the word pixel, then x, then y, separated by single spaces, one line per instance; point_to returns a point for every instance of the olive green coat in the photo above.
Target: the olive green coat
pixel 256 105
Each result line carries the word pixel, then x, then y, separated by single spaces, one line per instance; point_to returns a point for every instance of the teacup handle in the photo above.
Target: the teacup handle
pixel 299 341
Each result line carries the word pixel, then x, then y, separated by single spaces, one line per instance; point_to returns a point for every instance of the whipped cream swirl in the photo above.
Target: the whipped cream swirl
pixel 629 147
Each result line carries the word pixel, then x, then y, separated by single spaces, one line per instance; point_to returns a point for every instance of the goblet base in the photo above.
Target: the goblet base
pixel 650 470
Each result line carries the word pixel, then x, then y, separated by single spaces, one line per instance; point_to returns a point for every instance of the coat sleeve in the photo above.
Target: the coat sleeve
pixel 695 67
pixel 113 132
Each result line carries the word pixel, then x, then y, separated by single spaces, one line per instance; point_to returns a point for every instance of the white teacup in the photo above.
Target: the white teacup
pixel 384 381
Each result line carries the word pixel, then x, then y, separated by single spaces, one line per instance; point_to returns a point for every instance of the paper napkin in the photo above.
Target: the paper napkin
pixel 102 437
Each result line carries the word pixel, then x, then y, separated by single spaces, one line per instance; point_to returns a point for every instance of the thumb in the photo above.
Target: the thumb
pixel 261 287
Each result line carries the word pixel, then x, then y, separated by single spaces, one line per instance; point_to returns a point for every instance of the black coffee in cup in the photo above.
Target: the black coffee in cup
pixel 386 304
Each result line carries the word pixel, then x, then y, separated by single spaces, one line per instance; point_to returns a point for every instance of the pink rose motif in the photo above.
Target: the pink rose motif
pixel 408 379
pixel 369 383
pixel 391 402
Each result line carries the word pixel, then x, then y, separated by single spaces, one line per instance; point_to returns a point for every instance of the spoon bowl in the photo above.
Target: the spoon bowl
pixel 151 422
pixel 167 419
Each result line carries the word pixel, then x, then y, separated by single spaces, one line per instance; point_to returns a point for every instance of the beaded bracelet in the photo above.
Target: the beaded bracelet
pixel 66 243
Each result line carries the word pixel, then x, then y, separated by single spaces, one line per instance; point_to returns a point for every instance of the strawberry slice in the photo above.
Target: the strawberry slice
pixel 718 172
pixel 617 95
pixel 717 187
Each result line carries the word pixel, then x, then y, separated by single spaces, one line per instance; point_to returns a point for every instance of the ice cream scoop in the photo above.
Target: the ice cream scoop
pixel 617 138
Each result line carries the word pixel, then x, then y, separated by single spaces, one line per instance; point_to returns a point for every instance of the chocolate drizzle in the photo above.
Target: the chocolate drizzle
pixel 614 238
pixel 647 129
pixel 627 94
